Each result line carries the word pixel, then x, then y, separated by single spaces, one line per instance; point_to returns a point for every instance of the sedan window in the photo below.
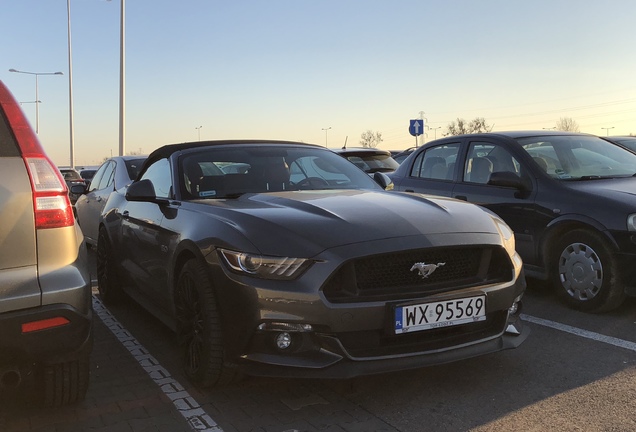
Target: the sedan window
pixel 228 173
pixel 580 157
pixel 159 174
pixel 436 162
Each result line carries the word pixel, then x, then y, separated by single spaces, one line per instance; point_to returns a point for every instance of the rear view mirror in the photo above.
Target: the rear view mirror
pixel 383 180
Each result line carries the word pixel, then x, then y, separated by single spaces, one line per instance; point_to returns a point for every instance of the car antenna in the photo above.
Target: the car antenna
pixel 344 147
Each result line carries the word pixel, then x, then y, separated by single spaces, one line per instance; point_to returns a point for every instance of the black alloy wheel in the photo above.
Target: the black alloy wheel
pixel 199 329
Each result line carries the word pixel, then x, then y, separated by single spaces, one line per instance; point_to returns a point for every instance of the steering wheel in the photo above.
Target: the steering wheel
pixel 312 182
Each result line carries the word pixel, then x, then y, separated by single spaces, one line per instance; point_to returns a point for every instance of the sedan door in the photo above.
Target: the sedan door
pixel 433 171
pixel 90 205
pixel 516 207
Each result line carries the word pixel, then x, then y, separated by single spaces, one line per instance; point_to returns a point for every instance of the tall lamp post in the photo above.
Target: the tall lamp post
pixel 198 128
pixel 435 129
pixel 37 101
pixel 326 129
pixel 607 129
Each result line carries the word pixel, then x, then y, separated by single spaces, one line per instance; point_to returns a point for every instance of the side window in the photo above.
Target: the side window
pixel 484 158
pixel 97 177
pixel 436 162
pixel 159 174
pixel 108 177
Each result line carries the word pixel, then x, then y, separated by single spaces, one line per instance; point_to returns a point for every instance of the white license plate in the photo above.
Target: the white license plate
pixel 425 316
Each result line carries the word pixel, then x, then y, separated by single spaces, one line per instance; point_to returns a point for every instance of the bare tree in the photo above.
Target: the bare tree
pixel 461 127
pixel 370 139
pixel 567 124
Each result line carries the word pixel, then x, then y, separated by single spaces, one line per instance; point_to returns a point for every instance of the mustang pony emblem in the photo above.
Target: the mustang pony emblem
pixel 426 269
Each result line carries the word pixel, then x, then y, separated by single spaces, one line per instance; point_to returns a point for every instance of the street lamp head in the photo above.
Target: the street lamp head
pixel 58 73
pixel 12 70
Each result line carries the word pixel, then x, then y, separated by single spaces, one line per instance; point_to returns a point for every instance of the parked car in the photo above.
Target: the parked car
pixel 629 142
pixel 45 291
pixel 570 199
pixel 369 160
pixel 400 155
pixel 87 174
pixel 72 178
pixel 291 268
pixel 114 175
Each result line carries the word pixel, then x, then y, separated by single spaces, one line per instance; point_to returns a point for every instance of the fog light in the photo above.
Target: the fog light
pixel 513 309
pixel 283 340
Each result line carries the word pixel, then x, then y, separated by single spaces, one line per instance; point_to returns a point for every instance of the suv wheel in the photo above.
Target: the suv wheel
pixel 66 383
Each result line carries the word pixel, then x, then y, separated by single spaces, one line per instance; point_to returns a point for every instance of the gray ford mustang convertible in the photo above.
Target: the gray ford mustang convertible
pixel 284 259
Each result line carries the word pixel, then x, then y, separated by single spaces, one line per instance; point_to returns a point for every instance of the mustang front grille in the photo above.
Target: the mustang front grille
pixel 396 276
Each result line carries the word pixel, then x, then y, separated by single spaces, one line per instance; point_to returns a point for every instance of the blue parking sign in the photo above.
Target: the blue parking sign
pixel 416 127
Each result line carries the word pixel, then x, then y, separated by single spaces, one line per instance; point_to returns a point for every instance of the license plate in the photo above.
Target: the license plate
pixel 426 316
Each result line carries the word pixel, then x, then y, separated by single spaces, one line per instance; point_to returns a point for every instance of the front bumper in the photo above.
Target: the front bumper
pixel 346 339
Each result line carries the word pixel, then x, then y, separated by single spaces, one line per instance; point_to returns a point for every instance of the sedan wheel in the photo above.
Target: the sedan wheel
pixel 199 330
pixel 586 272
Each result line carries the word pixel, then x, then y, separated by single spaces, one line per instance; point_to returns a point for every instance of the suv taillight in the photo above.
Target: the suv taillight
pixel 50 195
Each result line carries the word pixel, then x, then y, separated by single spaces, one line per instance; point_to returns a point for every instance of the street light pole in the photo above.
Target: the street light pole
pixel 122 81
pixel 70 88
pixel 435 129
pixel 199 131
pixel 37 100
pixel 326 129
pixel 607 129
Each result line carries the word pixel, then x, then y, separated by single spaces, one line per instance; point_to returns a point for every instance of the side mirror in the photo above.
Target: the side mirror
pixel 141 191
pixel 507 179
pixel 383 180
pixel 79 189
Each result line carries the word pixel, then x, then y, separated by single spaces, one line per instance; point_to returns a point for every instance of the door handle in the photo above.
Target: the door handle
pixel 461 197
pixel 409 190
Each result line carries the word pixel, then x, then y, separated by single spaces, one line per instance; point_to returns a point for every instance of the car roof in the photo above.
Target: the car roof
pixel 167 150
pixel 516 134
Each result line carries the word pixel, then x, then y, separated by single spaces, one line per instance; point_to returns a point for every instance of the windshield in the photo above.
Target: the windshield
pixel 222 172
pixel 580 157
pixel 371 163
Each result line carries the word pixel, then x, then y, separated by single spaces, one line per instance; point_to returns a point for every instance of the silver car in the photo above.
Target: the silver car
pixel 45 288
pixel 113 175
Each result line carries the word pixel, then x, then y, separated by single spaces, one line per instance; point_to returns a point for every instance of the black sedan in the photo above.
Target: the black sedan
pixel 302 265
pixel 570 199
pixel 627 141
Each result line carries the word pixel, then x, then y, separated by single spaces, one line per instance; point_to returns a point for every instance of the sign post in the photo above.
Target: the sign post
pixel 416 128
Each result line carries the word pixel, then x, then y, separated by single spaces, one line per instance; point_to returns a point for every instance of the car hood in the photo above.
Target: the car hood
pixel 308 222
pixel 616 189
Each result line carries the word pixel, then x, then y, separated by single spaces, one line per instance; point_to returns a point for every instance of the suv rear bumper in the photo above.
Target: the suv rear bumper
pixel 49 346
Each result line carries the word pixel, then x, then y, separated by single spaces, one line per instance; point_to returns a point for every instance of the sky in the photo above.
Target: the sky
pixel 320 72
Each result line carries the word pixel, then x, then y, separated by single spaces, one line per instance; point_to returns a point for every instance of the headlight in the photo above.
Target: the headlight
pixel 507 235
pixel 265 267
pixel 631 222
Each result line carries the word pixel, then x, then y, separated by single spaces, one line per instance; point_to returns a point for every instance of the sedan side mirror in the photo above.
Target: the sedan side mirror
pixel 383 180
pixel 79 189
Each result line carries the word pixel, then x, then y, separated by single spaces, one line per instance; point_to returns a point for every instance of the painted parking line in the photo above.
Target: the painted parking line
pixel 580 332
pixel 187 406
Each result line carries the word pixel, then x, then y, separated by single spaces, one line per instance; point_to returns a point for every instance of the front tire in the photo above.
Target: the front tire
pixel 199 328
pixel 585 272
pixel 108 283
